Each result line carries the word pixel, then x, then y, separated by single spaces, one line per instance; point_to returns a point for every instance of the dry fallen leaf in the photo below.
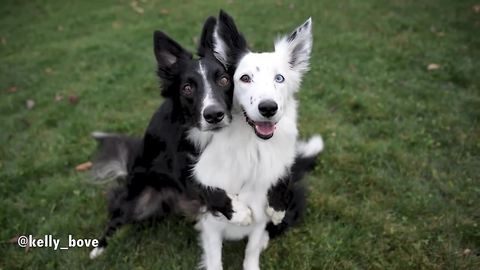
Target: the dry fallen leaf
pixel 116 25
pixel 84 166
pixel 58 97
pixel 195 40
pixel 476 8
pixel 12 89
pixel 3 40
pixel 48 70
pixel 13 240
pixel 433 66
pixel 136 7
pixel 30 104
pixel 436 31
pixel 73 99
pixel 164 11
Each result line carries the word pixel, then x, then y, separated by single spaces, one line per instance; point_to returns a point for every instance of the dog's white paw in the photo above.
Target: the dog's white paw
pixel 96 252
pixel 275 216
pixel 242 214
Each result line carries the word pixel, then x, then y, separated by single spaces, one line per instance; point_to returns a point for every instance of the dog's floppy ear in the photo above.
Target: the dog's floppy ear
pixel 168 53
pixel 229 43
pixel 206 40
pixel 297 47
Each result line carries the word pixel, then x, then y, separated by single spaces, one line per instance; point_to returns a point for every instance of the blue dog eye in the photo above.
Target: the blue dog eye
pixel 279 78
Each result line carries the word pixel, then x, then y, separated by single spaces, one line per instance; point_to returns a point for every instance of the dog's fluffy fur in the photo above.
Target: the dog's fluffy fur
pixel 238 176
pixel 257 150
pixel 198 93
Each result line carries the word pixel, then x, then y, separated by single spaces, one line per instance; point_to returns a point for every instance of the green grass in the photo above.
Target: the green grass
pixel 398 186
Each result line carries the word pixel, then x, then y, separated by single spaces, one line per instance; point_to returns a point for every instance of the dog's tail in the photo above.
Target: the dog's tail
pixel 307 152
pixel 114 156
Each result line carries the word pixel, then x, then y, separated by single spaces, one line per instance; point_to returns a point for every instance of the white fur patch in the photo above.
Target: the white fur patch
pixel 275 216
pixel 199 138
pixel 207 98
pixel 310 148
pixel 96 252
pixel 100 134
pixel 242 214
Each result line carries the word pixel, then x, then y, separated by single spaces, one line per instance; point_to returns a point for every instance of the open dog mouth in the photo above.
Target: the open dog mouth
pixel 263 130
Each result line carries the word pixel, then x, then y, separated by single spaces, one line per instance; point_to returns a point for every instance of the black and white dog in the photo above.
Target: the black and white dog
pixel 198 94
pixel 255 154
pixel 168 170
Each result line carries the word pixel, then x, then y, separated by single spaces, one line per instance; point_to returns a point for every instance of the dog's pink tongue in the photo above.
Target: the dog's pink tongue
pixel 265 128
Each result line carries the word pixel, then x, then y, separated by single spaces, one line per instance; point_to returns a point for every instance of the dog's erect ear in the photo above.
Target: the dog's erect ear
pixel 229 43
pixel 297 47
pixel 168 53
pixel 206 40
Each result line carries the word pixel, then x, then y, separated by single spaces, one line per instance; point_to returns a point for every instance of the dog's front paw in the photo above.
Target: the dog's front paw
pixel 275 216
pixel 241 214
pixel 96 252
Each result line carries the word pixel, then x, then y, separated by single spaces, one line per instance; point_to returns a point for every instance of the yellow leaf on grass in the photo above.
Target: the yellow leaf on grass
pixel 84 166
pixel 433 66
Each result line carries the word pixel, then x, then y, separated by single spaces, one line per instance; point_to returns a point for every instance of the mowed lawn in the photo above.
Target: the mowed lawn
pixel 394 90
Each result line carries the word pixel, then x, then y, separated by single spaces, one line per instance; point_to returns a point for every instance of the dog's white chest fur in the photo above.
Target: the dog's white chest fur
pixel 239 162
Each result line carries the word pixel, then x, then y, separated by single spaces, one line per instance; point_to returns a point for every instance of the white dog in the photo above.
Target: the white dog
pixel 259 147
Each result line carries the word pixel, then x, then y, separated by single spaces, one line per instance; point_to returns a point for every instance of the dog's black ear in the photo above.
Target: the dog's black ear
pixel 206 40
pixel 229 43
pixel 168 53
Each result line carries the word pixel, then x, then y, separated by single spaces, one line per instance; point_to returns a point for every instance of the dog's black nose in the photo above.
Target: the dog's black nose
pixel 213 114
pixel 268 108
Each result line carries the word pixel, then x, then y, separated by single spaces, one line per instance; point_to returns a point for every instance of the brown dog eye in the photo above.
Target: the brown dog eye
pixel 223 81
pixel 187 90
pixel 245 78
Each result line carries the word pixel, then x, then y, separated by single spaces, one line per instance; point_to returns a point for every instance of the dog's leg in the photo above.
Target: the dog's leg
pixel 241 213
pixel 218 201
pixel 113 225
pixel 280 195
pixel 120 213
pixel 257 242
pixel 278 198
pixel 211 241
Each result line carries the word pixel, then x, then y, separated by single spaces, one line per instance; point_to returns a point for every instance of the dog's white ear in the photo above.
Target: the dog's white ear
pixel 297 47
pixel 229 43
